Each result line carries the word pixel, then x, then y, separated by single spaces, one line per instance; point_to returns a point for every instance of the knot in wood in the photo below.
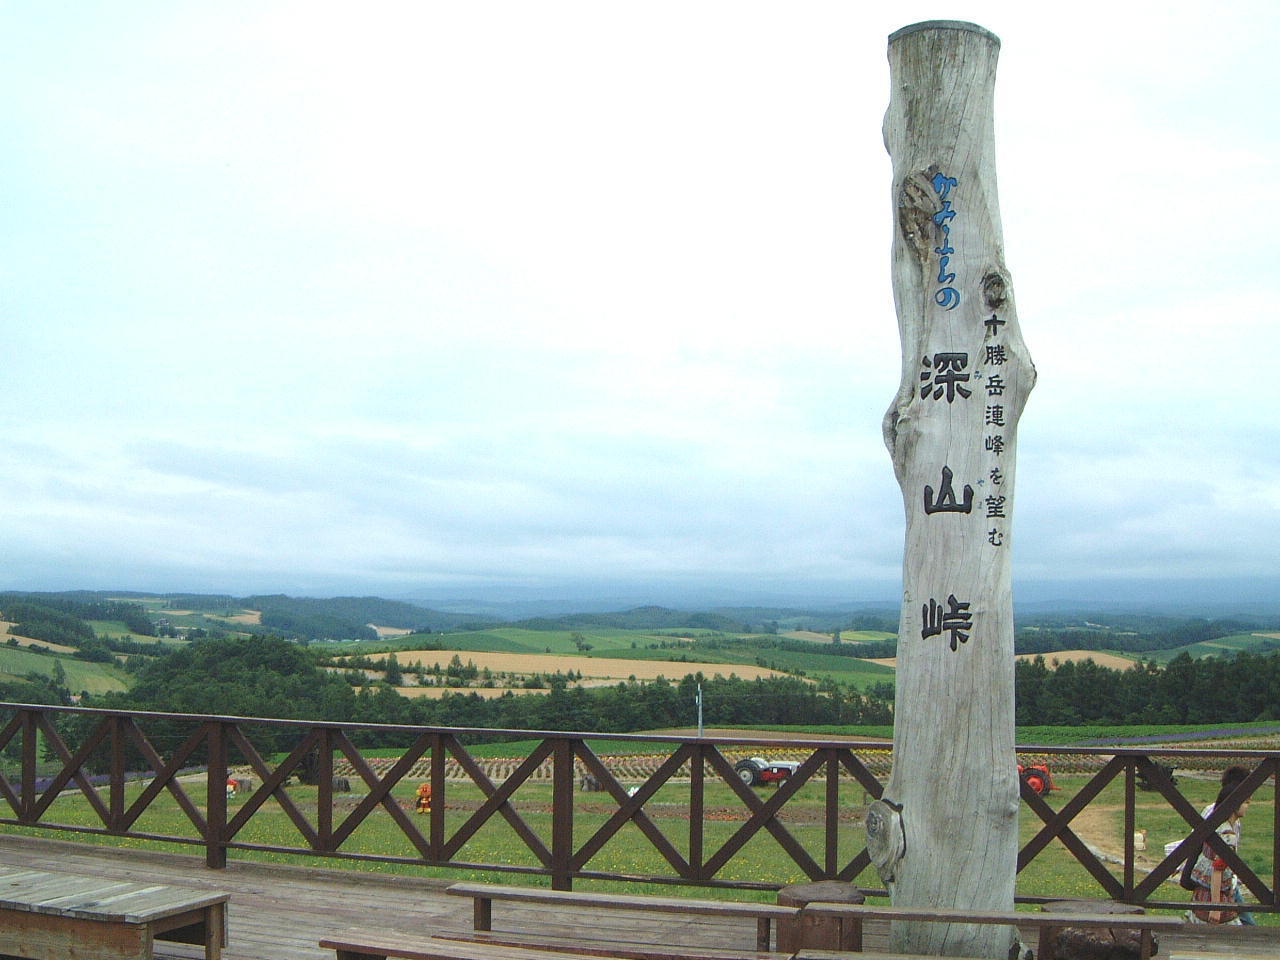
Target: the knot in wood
pixel 994 290
pixel 916 207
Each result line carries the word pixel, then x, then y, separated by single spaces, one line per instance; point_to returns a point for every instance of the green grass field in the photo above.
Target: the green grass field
pixel 1215 648
pixel 115 628
pixel 81 676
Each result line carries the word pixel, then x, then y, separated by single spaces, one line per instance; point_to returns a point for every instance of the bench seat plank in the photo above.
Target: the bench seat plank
pixel 722 908
pixel 483 895
pixel 365 943
pixel 582 946
pixel 1012 917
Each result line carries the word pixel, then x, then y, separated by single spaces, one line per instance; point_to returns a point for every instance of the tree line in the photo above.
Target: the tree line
pixel 1236 689
pixel 62 620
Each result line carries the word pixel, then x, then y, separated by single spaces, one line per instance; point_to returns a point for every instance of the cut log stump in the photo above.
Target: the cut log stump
pixel 819 933
pixel 1112 943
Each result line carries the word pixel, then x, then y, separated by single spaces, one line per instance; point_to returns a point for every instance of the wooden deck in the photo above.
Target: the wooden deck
pixel 281 912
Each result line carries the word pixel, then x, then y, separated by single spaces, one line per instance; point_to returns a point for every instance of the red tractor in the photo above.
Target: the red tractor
pixel 757 770
pixel 1037 777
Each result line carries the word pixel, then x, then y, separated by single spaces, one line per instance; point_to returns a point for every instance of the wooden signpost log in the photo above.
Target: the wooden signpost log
pixel 945 833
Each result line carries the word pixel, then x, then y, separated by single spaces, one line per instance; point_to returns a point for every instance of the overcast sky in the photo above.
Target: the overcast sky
pixel 442 298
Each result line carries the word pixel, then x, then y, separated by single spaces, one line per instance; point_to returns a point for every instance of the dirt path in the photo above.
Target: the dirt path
pixel 1101 827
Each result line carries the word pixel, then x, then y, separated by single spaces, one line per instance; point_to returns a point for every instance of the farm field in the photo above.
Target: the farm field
pixel 618 644
pixel 114 628
pixel 846 636
pixel 6 626
pixel 1253 642
pixel 603 640
pixel 485 693
pixel 816 665
pixel 601 669
pixel 1112 661
pixel 219 618
pixel 93 677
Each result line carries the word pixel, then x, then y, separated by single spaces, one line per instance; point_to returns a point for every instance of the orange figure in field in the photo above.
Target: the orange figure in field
pixel 424 798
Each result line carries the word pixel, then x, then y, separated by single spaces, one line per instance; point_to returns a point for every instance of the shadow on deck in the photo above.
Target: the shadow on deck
pixel 280 912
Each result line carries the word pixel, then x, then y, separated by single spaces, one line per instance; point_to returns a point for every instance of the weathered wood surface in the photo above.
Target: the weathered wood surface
pixel 946 830
pixel 1049 924
pixel 483 895
pixel 282 912
pixel 63 916
pixel 93 898
pixel 360 943
pixel 655 903
pixel 589 946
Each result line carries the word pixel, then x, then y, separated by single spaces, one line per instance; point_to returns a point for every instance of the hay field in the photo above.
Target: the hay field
pixel 808 635
pixel 591 668
pixel 390 631
pixel 6 626
pixel 1109 660
pixel 850 637
pixel 244 616
pixel 486 693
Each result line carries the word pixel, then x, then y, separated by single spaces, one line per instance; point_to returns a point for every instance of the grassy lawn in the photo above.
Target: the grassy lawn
pixel 81 675
pixel 117 629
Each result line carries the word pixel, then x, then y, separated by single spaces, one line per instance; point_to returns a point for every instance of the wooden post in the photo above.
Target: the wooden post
pixel 562 815
pixel 215 850
pixel 945 833
pixel 30 738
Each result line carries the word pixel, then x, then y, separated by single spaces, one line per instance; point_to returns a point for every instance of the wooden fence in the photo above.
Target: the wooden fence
pixel 52 752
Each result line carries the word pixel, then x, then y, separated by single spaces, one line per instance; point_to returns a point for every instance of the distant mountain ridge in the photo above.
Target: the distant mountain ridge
pixel 641 618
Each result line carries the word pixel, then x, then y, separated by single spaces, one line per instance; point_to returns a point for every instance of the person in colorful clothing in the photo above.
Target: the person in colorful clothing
pixel 1215 882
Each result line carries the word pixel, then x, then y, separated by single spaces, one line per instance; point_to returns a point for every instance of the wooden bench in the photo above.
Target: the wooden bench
pixel 616 950
pixel 1048 923
pixel 357 944
pixel 365 945
pixel 483 895
pixel 52 916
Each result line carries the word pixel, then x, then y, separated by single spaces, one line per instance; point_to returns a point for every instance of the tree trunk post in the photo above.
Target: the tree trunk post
pixel 946 831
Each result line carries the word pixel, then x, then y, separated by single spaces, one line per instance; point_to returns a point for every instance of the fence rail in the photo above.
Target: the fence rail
pixel 84 757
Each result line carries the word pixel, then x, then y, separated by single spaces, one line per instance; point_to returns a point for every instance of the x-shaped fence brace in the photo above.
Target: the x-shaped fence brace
pixel 1057 825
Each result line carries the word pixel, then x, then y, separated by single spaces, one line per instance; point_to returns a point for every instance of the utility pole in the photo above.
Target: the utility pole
pixel 698 700
pixel 945 832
